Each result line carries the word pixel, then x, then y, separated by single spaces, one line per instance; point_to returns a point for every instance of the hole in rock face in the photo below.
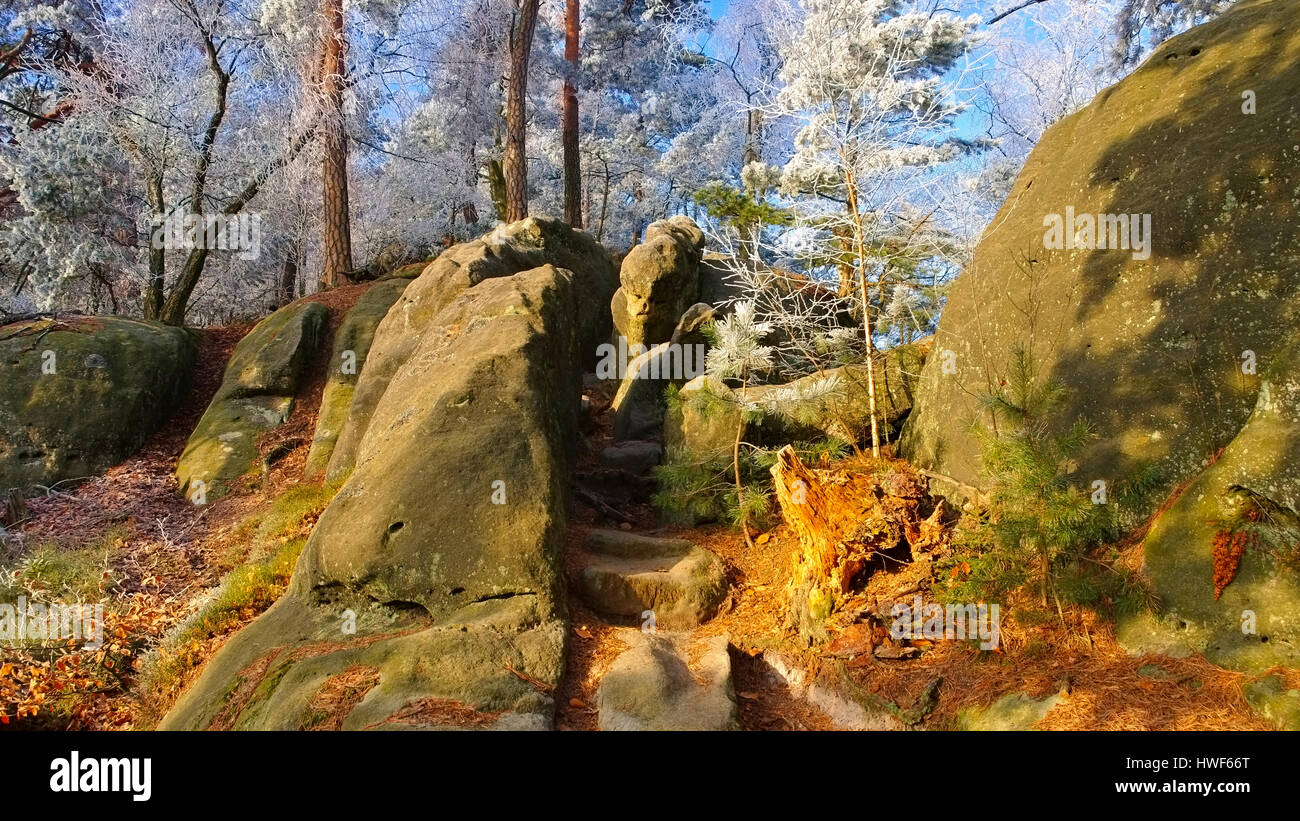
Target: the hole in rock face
pixel 1193 52
pixel 396 526
pixel 456 591
pixel 1263 639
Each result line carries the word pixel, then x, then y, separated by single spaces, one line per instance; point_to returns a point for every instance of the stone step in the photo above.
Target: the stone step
pixel 629 576
pixel 653 686
pixel 636 456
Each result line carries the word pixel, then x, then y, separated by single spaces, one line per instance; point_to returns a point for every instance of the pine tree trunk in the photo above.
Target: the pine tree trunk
pixel 516 159
pixel 337 245
pixel 572 161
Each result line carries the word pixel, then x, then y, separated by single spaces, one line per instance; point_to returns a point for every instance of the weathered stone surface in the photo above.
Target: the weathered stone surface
pixel 1272 699
pixel 1015 711
pixel 660 280
pixel 457 504
pixel 508 250
pixel 652 687
pixel 639 404
pixel 627 575
pixel 1263 460
pixel 634 455
pixel 114 381
pixel 490 396
pixel 256 395
pixel 351 346
pixel 452 675
pixel 846 414
pixel 1151 349
pixel 702 424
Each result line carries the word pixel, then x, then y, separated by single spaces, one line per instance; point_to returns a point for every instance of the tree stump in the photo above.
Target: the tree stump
pixel 844 520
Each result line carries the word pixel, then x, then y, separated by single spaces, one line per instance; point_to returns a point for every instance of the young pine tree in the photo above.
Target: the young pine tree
pixel 1038 517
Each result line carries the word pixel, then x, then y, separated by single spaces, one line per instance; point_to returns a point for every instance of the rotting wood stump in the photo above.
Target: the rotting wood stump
pixel 846 521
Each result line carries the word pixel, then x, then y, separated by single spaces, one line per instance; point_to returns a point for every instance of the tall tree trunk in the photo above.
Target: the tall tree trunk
pixel 334 170
pixel 288 285
pixel 516 159
pixel 173 312
pixel 572 162
pixel 154 294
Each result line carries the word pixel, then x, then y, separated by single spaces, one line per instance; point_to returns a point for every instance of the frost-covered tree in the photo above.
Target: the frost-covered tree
pixel 168 123
pixel 870 84
pixel 1141 25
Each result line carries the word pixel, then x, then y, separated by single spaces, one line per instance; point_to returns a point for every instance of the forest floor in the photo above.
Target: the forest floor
pixel 156 559
pixel 1073 654
pixel 129 540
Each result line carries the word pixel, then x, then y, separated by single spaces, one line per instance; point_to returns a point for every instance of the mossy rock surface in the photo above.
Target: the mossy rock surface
pixel 105 384
pixel 351 347
pixel 1255 622
pixel 1150 350
pixel 508 250
pixel 256 395
pixel 452 675
pixel 460 488
pixel 702 424
pixel 444 542
pixel 1015 711
pixel 1272 699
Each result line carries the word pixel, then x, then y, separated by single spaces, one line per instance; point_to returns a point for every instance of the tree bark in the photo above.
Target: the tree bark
pixel 154 292
pixel 337 245
pixel 288 285
pixel 516 160
pixel 572 161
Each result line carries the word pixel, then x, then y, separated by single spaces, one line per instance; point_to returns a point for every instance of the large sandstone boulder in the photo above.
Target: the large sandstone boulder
pixel 442 549
pixel 351 347
pixel 1151 349
pixel 460 484
pixel 1163 353
pixel 256 395
pixel 660 280
pixel 508 250
pixel 80 394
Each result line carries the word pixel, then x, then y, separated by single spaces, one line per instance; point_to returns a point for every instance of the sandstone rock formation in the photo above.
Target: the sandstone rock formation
pixel 79 394
pixel 660 280
pixel 1152 350
pixel 508 250
pixel 443 545
pixel 351 347
pixel 1176 346
pixel 255 396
